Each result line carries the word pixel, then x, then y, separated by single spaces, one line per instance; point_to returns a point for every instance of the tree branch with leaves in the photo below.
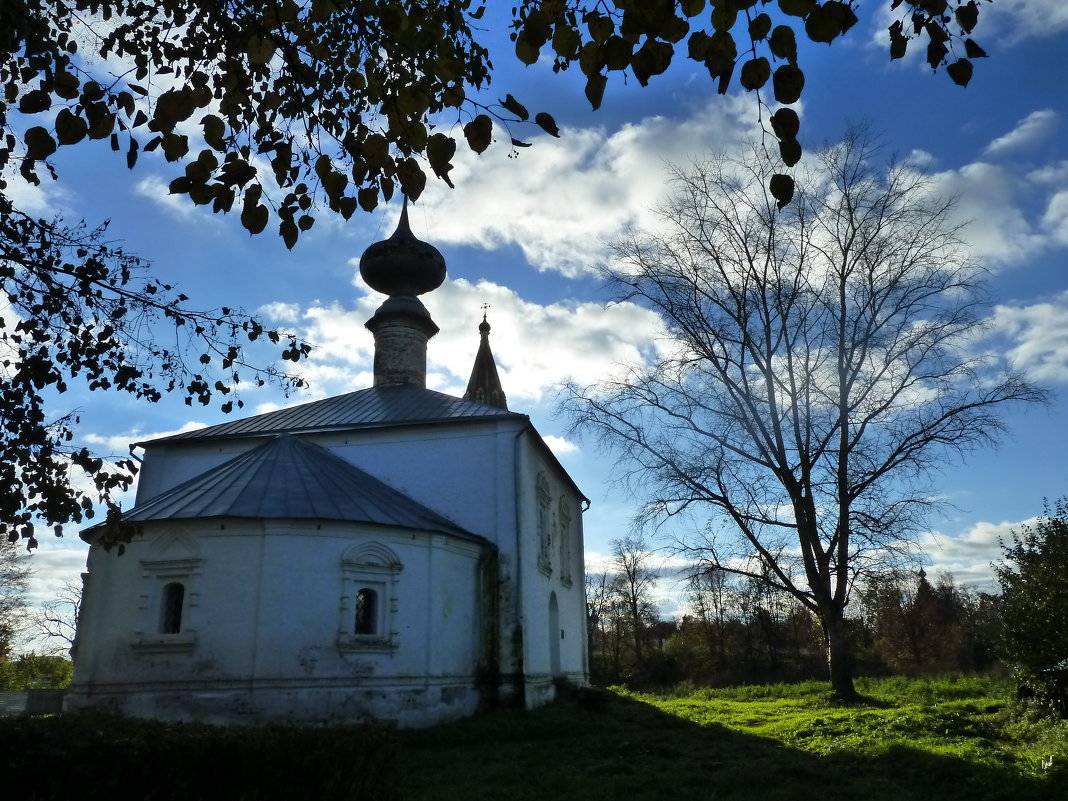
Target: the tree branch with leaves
pixel 276 109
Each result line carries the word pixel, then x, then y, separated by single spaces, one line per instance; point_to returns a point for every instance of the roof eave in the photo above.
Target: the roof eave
pixel 191 436
pixel 88 535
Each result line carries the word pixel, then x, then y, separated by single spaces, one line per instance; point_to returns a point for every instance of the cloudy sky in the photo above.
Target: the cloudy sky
pixel 523 232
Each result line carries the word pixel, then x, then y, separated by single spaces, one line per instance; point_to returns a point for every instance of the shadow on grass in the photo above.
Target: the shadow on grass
pixel 596 746
pixel 628 749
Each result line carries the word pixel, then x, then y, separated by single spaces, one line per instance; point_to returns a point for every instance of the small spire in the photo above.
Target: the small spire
pixel 484 385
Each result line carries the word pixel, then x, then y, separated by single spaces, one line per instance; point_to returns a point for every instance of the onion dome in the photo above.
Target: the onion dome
pixel 402 264
pixel 402 267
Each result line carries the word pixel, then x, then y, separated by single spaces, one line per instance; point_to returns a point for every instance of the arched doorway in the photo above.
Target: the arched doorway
pixel 554 635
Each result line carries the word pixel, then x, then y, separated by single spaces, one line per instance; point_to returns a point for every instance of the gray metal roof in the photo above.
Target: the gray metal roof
pixel 365 408
pixel 289 479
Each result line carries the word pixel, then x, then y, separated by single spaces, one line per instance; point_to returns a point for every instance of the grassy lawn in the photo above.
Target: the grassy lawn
pixel 944 739
pixel 931 740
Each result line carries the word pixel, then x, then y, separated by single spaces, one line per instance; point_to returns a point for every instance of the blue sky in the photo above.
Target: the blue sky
pixel 522 232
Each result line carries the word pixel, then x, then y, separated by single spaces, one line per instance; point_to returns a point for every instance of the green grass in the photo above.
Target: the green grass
pixel 951 739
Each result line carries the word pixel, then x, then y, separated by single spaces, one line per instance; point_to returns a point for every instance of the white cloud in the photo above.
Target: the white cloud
pixel 560 445
pixel 1050 174
pixel 989 202
pixel 55 562
pixel 562 198
pixel 536 346
pixel 120 443
pixel 1016 20
pixel 1038 337
pixel 968 556
pixel 155 189
pixel 1008 22
pixel 281 312
pixel 47 199
pixel 1055 220
pixel 1031 130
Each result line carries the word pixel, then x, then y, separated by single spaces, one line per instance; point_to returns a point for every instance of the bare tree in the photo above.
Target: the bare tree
pixel 816 372
pixel 633 582
pixel 709 598
pixel 56 621
pixel 599 608
pixel 14 578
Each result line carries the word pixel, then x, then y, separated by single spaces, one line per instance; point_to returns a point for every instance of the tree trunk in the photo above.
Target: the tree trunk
pixel 838 663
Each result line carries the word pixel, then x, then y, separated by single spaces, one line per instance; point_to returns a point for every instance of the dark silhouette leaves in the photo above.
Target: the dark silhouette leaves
pixel 782 189
pixel 547 123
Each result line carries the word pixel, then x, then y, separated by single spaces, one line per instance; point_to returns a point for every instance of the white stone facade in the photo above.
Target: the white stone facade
pixel 250 620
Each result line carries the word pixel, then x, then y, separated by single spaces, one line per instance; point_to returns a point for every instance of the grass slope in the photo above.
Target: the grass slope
pixel 945 740
pixel 949 739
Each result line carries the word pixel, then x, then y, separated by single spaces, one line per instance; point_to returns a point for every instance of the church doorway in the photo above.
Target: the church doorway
pixel 554 635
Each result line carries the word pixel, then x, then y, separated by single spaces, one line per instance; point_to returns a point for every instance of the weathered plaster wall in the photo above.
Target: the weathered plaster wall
pixel 265 598
pixel 261 623
pixel 539 586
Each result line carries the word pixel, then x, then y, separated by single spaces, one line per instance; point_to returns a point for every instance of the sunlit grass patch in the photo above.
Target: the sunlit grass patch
pixel 959 717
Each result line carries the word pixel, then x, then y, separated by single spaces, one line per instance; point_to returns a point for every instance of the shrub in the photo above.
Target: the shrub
pixel 1033 608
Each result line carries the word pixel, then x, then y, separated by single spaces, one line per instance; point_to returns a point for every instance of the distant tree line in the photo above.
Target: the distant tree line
pixel 739 630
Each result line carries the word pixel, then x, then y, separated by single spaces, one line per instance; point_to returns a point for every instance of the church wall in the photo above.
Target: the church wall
pixel 263 626
pixel 462 471
pixel 466 472
pixel 554 641
pixel 451 468
pixel 483 476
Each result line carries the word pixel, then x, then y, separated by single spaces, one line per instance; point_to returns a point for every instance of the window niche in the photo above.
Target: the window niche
pixel 546 524
pixel 369 573
pixel 169 600
pixel 366 611
pixel 172 602
pixel 565 538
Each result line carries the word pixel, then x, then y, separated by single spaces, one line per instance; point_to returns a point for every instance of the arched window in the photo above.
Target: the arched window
pixel 172 599
pixel 366 611
pixel 169 598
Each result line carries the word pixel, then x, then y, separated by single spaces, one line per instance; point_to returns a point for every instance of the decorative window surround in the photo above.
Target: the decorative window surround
pixel 546 524
pixel 565 542
pixel 372 568
pixel 156 575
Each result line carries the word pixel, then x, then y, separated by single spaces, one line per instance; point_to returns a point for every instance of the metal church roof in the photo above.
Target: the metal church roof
pixel 365 408
pixel 289 479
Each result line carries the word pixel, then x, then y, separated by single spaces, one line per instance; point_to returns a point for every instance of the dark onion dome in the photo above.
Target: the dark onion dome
pixel 402 264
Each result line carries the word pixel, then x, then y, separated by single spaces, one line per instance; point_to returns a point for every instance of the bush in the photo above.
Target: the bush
pixel 107 758
pixel 1033 608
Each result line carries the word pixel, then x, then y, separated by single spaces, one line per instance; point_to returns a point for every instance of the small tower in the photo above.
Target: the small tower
pixel 484 386
pixel 402 267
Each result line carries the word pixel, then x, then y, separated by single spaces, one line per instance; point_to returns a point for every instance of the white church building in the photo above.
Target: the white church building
pixel 393 553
